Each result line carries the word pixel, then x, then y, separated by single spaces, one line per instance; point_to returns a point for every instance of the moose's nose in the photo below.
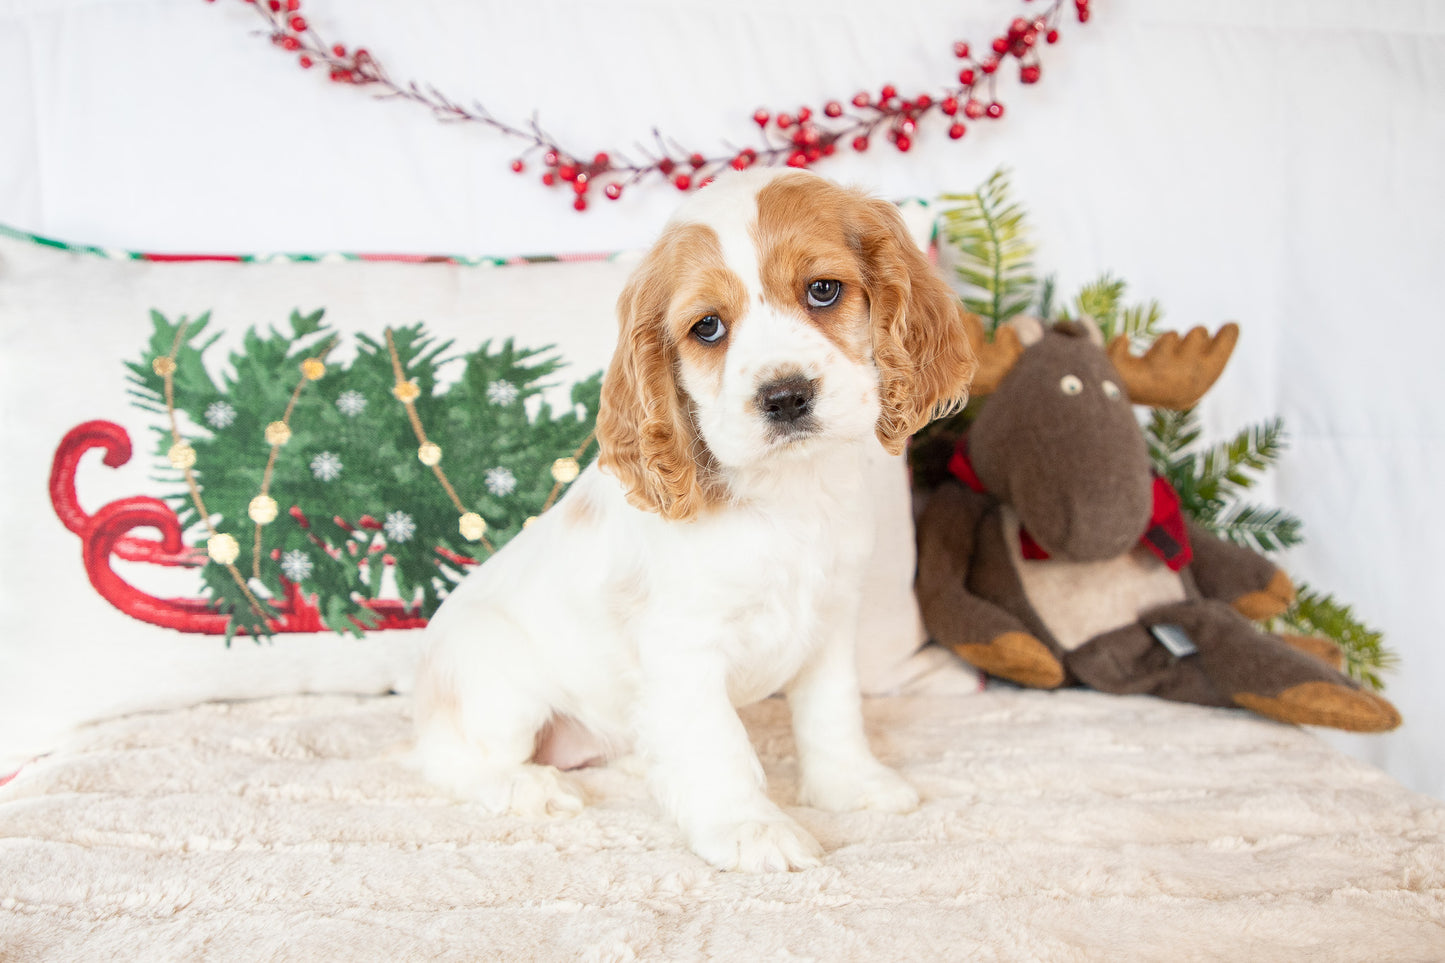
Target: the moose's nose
pixel 787 399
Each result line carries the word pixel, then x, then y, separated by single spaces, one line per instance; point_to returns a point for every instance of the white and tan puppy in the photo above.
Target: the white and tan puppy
pixel 780 327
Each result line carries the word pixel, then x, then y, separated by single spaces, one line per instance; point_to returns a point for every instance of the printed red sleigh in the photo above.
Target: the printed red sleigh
pixel 107 533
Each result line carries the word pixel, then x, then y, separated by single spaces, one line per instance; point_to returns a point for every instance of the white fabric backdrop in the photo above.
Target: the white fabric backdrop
pixel 1270 161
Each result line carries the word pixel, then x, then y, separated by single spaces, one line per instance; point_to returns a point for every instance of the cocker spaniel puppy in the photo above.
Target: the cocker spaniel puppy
pixel 712 556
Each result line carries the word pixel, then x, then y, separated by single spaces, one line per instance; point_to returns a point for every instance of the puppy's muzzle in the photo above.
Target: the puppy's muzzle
pixel 787 402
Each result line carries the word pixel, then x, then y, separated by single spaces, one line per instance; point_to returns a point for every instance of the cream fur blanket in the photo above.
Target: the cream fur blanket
pixel 1065 826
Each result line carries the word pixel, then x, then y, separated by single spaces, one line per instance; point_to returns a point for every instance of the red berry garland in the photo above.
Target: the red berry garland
pixel 795 138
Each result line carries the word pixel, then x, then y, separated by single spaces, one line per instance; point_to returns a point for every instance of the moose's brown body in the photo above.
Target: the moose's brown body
pixel 1040 568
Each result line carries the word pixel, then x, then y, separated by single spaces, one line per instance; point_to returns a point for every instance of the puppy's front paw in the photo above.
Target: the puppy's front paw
pixel 872 786
pixel 527 790
pixel 759 846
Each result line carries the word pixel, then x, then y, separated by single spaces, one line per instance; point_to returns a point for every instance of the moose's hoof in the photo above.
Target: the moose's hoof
pixel 1017 657
pixel 1269 601
pixel 1325 704
pixel 1321 648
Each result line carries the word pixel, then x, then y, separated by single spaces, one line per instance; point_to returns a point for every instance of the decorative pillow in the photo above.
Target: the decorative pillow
pixel 264 471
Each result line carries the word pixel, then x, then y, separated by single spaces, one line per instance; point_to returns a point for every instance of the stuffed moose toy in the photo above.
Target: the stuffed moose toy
pixel 1052 554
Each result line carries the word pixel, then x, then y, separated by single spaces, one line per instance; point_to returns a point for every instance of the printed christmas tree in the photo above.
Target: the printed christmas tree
pixel 354 481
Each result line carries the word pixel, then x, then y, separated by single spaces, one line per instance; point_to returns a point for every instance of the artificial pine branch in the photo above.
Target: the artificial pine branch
pixel 1315 613
pixel 988 232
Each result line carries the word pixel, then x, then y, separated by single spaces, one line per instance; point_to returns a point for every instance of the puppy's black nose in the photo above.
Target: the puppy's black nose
pixel 787 399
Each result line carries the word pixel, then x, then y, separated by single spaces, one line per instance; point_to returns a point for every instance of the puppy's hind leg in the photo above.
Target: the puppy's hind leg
pixel 477 721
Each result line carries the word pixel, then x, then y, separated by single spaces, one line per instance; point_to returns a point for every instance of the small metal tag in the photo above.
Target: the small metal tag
pixel 1174 638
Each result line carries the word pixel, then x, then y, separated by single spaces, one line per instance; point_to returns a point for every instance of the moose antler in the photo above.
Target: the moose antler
pixel 1175 372
pixel 996 358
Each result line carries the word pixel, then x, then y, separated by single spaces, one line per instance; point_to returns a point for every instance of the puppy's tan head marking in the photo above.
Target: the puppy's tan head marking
pixel 645 428
pixel 892 303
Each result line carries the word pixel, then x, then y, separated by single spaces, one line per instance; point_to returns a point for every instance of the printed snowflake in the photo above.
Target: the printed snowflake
pixel 219 415
pixel 351 403
pixel 296 565
pixel 399 526
pixel 326 467
pixel 500 481
pixel 502 392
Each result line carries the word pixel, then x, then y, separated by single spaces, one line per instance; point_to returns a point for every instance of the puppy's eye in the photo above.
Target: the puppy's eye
pixel 1070 385
pixel 709 330
pixel 1111 391
pixel 823 292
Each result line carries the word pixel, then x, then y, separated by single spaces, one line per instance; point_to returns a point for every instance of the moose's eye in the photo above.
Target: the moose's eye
pixel 1070 384
pixel 823 292
pixel 1111 391
pixel 709 330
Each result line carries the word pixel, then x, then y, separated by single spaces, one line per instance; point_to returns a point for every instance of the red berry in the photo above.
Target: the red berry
pixel 960 50
pixel 956 131
pixel 1083 15
pixel 798 159
pixel 966 77
pixel 697 160
pixel 739 163
pixel 1018 27
pixel 580 184
pixel 567 172
pixel 1052 36
pixel 666 166
pixel 989 65
pixel 306 62
pixel 613 191
pixel 949 105
pixel 804 114
pixel 1018 48
pixel 275 6
pixel 549 178
pixel 298 23
pixel 601 160
pixel 580 204
pixel 550 158
pixel 761 117
pixel 682 182
pixel 908 125
pixel 290 43
pixel 518 166
pixel 833 109
pixel 888 92
pixel 973 110
pixel 861 100
pixel 339 50
pixel 904 142
pixel 829 149
pixel 1030 73
pixel 860 144
pixel 785 121
pixel 293 5
pixel 995 110
pixel 810 135
pixel 1000 44
pixel 923 102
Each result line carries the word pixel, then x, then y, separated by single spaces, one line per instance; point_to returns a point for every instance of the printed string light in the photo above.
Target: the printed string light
pixel 220 546
pixel 263 508
pixel 472 526
pixel 799 138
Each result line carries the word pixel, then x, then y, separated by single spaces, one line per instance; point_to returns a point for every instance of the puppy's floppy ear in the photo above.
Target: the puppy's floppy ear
pixel 645 430
pixel 920 344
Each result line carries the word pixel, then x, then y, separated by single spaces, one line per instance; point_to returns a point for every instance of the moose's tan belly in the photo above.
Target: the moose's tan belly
pixel 1079 600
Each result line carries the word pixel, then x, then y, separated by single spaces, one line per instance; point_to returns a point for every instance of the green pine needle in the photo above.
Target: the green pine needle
pixel 1366 655
pixel 988 232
